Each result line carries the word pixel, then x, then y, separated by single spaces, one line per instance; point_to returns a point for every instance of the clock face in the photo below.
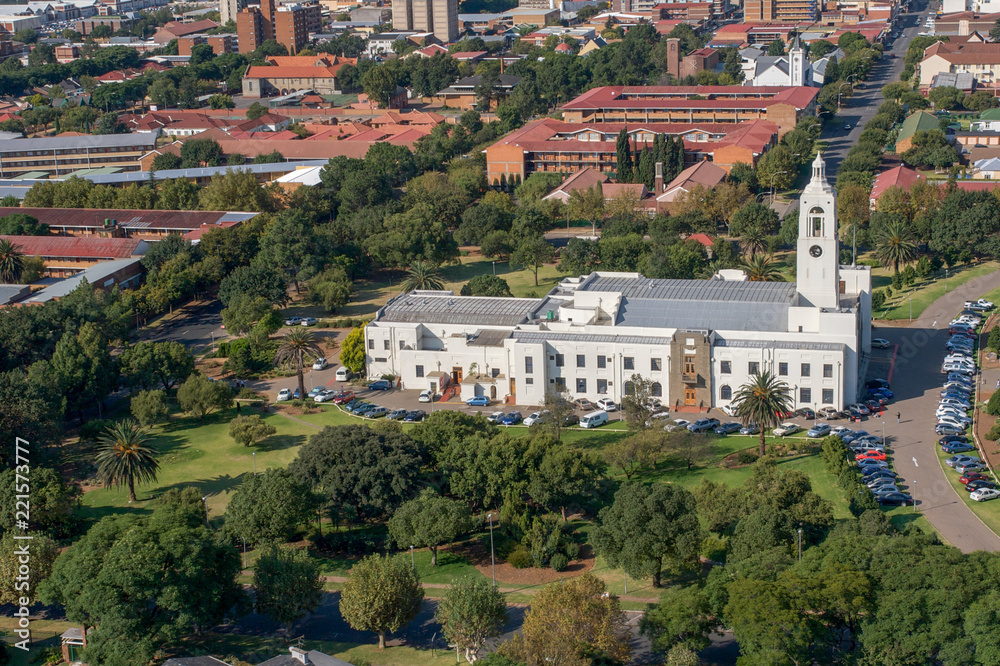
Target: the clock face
pixel 816 250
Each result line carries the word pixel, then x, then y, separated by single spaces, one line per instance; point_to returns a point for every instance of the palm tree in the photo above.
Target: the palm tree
pixel 895 245
pixel 761 401
pixel 753 241
pixel 124 458
pixel 11 262
pixel 295 346
pixel 762 268
pixel 422 275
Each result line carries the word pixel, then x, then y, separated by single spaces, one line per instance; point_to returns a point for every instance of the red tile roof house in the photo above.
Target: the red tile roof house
pixel 175 29
pixel 900 176
pixel 68 255
pixel 114 224
pixel 588 178
pixel 703 173
pixel 288 74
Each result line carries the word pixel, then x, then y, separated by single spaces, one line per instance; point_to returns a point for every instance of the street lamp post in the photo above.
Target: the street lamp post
pixel 493 563
pixel 204 500
pixel 911 308
pixel 800 543
pixel 840 93
pixel 413 562
pixel 244 552
pixel 494 268
pixel 254 454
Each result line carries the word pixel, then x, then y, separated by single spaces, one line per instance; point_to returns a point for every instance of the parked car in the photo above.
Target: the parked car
pixel 535 417
pixel 678 424
pixel 362 408
pixel 415 416
pixel 975 305
pixel 495 417
pixel 426 396
pixel 703 425
pixel 326 396
pixel 953 438
pixel 320 364
pixel 880 343
pixel 878 473
pixel 870 455
pixel 985 303
pixel 984 494
pixel 966 479
pixel 512 418
pixel 969 466
pixel 726 428
pixel 868 465
pixel 478 401
pixel 948 429
pixel 570 420
pixel 894 499
pixel 315 391
pixel 829 413
pixel 728 410
pixel 343 397
pixel 979 483
pixel 607 405
pixel 957 447
pixel 380 385
pixel 786 428
pixel 818 430
pixel 308 321
pixel 293 321
pixel 882 482
pixel 851 435
pixel 878 491
pixel 860 408
pixel 805 413
pixel 584 404
pixel 284 394
pixel 375 412
pixel 396 415
pixel 751 429
pixel 877 383
pixel 960 459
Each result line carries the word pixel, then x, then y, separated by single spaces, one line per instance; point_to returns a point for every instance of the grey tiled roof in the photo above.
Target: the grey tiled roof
pixel 431 308
pixel 144 140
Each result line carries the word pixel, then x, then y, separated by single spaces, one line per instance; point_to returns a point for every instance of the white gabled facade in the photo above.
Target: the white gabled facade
pixel 698 341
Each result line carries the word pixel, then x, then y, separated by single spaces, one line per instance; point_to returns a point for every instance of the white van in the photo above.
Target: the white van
pixel 343 374
pixel 594 419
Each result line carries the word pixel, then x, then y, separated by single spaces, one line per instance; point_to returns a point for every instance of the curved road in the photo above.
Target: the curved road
pixel 916 381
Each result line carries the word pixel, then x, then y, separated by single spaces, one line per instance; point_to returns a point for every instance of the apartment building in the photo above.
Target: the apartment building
pixel 99 224
pixel 962 56
pixel 230 9
pixel 697 341
pixel 781 105
pixel 65 256
pixel 549 145
pixel 291 27
pixel 220 43
pixel 287 74
pixel 767 11
pixel 63 154
pixel 439 17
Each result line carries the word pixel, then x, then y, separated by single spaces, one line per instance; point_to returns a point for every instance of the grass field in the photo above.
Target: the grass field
pixel 988 512
pixel 924 291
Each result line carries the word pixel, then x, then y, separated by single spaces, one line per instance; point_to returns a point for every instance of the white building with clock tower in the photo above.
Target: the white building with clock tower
pixel 696 341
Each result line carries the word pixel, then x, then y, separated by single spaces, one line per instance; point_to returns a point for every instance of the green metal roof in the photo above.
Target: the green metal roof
pixel 990 114
pixel 921 120
pixel 32 175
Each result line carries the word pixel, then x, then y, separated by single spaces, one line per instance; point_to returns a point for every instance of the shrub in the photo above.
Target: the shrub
pixel 994 433
pixel 149 407
pixel 519 558
pixel 713 548
pixel 559 562
pixel 994 340
pixel 878 300
pixel 746 457
pixel 572 550
pixel 993 406
pixel 93 429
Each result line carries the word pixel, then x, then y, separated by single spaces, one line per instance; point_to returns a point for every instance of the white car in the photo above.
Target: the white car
pixel 320 364
pixel 325 396
pixel 786 429
pixel 425 396
pixel 983 494
pixel 985 303
pixel 535 417
pixel 840 430
pixel 880 343
pixel 293 321
pixel 284 394
pixel 607 405
pixel 678 424
pixel 729 410
pixel 496 417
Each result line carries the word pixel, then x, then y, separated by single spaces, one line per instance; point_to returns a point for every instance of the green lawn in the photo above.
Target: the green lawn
pixel 924 291
pixel 988 512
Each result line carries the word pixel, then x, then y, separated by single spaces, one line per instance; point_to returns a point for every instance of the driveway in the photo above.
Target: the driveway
pixel 915 377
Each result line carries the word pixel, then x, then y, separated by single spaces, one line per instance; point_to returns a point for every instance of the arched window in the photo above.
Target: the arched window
pixel 629 388
pixel 657 389
pixel 726 393
pixel 816 221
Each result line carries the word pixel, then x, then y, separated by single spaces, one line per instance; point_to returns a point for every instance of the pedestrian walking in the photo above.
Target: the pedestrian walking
pixel 897 417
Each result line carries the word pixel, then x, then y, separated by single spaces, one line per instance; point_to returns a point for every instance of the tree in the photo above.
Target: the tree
pixel 176 193
pixel 331 288
pixel 143 580
pixel 761 268
pixel 623 163
pixel 150 364
pixel 166 161
pixel 287 585
pixel 417 234
pixel 82 367
pixel 200 396
pixel 244 312
pixel 532 253
pixel 776 48
pixel 295 347
pixel 562 476
pixel 149 407
pixel 237 189
pixel 254 280
pixel 429 520
pixel 11 262
pixel 683 617
pixel 256 110
pixel 123 457
pixel 352 350
pixel 486 285
pixel 754 216
pixel 471 612
pixel 250 429
pixel 777 168
pixel 201 153
pixel 575 620
pixel 379 84
pixel 382 595
pixel 221 101
pixel 647 526
pixel 587 204
pixel 19 224
pixel 635 452
pixel 361 473
pixel 688 446
pixel 53 502
pixel 43 552
pixel 268 508
pixel 421 275
pixel 895 245
pixel 761 401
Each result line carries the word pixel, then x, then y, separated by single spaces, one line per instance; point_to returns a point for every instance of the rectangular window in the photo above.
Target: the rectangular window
pixel 560 360
pixel 629 363
pixel 581 361
pixel 529 380
pixel 581 385
pixel 805 370
pixel 385 345
pixel 726 367
pixel 560 384
pixel 827 396
pixel 689 365
pixel 783 369
pixel 753 367
pixel 828 370
pixel 602 362
pixel 805 395
pixel 529 364
pixel 602 386
pixel 371 344
pixel 420 370
pixel 655 365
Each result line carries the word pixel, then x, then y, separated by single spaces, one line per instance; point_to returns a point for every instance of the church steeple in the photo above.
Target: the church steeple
pixel 797 64
pixel 818 183
pixel 817 262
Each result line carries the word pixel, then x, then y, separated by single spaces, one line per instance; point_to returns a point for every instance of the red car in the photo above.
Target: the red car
pixel 966 479
pixel 344 397
pixel 871 455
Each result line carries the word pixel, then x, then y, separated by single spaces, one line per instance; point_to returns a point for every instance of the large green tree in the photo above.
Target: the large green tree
pixel 124 458
pixel 381 595
pixel 761 401
pixel 287 584
pixel 471 612
pixel 429 520
pixel 295 347
pixel 147 365
pixel 201 396
pixel 268 508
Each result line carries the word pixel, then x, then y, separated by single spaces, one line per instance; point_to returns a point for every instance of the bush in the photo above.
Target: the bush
pixel 746 457
pixel 878 300
pixel 93 429
pixel 993 342
pixel 994 433
pixel 519 558
pixel 149 407
pixel 572 550
pixel 993 406
pixel 713 548
pixel 559 562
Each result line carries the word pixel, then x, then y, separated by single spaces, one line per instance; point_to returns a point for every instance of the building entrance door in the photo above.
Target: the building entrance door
pixel 456 375
pixel 689 397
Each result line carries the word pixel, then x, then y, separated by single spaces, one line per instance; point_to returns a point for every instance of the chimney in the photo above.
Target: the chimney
pixel 658 182
pixel 299 655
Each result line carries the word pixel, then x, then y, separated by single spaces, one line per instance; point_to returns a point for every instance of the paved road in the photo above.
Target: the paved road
pixel 194 327
pixel 916 382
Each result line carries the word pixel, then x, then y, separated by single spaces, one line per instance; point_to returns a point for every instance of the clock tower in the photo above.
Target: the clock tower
pixel 817 261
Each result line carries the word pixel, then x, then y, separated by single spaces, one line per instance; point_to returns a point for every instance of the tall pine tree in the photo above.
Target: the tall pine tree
pixel 647 172
pixel 624 157
pixel 679 158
